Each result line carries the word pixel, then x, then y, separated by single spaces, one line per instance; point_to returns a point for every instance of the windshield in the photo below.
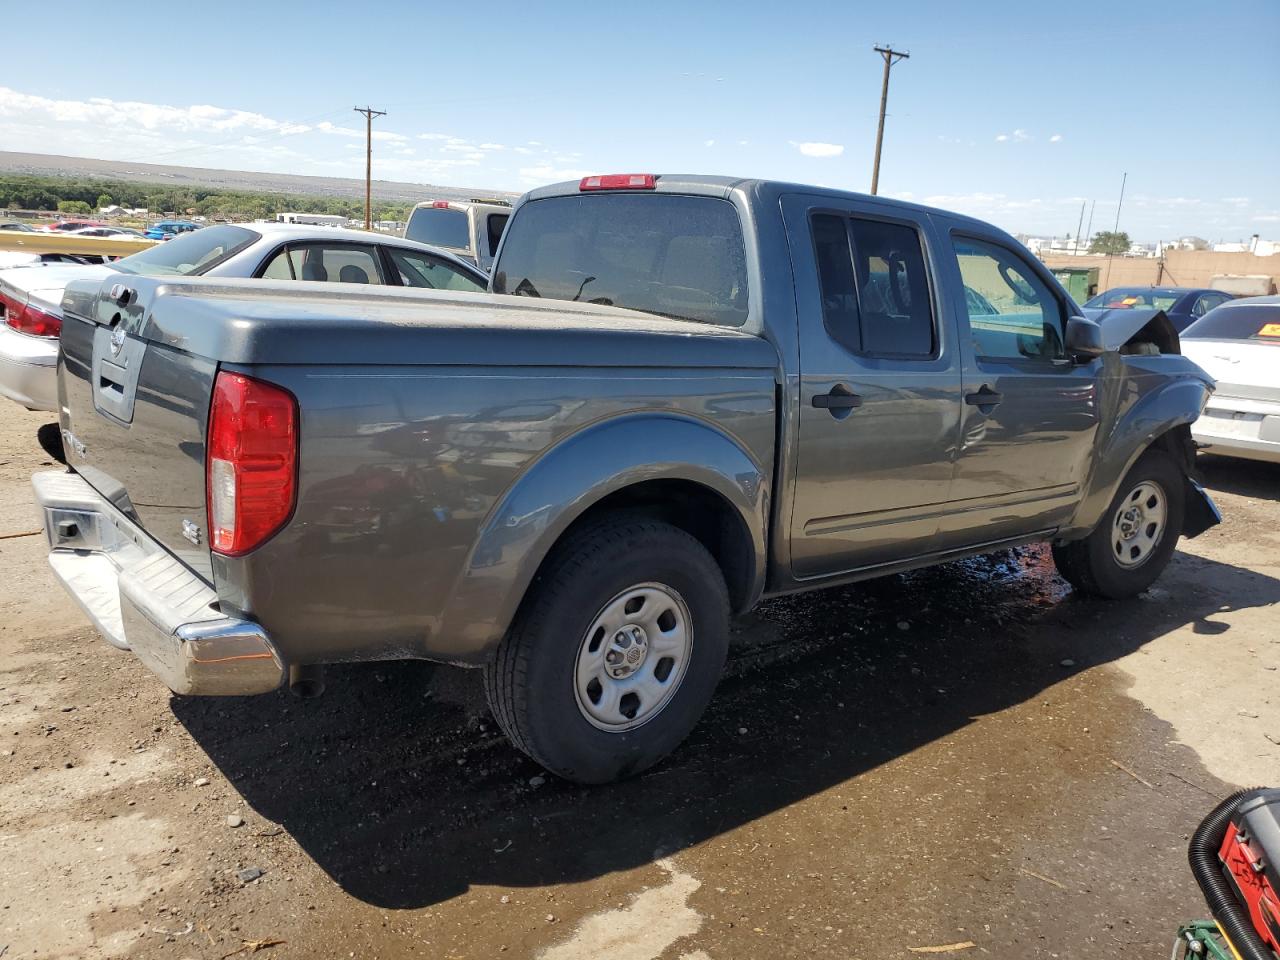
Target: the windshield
pixel 676 256
pixel 439 226
pixel 1242 321
pixel 1130 298
pixel 188 254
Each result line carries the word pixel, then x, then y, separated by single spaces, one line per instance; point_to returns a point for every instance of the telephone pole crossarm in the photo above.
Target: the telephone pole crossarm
pixel 369 114
pixel 891 56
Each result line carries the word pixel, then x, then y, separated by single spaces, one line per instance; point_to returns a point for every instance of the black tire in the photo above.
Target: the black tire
pixel 530 683
pixel 1091 565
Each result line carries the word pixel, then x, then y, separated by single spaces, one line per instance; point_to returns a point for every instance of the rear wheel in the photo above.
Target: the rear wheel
pixel 1136 537
pixel 615 653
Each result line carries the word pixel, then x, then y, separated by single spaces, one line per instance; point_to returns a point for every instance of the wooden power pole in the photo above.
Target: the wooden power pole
pixel 369 114
pixel 891 56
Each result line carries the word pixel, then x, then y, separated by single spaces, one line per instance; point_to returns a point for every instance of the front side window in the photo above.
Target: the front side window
pixel 1013 314
pixel 321 262
pixel 874 285
pixel 419 270
pixel 668 254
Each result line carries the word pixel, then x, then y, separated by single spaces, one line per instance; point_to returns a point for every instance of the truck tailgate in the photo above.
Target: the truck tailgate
pixel 134 415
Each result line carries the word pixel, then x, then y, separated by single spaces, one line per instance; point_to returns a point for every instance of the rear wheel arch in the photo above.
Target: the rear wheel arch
pixel 662 466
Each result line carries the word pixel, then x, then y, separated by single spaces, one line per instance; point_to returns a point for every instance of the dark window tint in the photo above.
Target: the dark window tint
pixel 1237 321
pixel 496 223
pixel 189 254
pixel 1013 314
pixel 439 226
pixel 676 256
pixel 875 292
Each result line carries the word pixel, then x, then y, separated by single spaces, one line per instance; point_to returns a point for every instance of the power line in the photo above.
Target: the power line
pixel 891 56
pixel 369 114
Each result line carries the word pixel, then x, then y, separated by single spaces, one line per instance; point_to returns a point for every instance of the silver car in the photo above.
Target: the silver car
pixel 1238 344
pixel 31 296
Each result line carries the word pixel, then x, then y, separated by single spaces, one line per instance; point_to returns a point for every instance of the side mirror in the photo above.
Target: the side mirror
pixel 1084 338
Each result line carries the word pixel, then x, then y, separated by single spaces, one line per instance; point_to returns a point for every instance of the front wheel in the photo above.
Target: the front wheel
pixel 615 653
pixel 1135 539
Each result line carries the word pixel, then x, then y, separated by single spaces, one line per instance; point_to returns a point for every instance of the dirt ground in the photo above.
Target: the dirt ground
pixel 968 754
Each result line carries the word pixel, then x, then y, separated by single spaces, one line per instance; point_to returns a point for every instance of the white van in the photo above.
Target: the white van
pixel 468 228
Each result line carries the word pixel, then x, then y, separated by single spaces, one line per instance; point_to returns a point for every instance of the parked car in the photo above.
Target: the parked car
pixel 168 229
pixel 1182 305
pixel 688 394
pixel 30 298
pixel 16 226
pixel 471 229
pixel 1238 344
pixel 107 233
pixel 64 226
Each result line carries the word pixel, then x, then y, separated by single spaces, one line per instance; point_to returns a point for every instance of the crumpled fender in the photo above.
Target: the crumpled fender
pixel 563 484
pixel 1130 427
pixel 1150 325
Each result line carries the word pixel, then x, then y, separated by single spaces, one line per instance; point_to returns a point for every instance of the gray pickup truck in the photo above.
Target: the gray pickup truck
pixel 681 395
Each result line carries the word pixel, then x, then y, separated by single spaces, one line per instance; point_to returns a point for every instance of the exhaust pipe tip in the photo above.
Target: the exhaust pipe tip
pixel 306 681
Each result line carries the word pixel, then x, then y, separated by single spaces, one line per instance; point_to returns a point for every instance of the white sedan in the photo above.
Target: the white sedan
pixel 31 296
pixel 1238 344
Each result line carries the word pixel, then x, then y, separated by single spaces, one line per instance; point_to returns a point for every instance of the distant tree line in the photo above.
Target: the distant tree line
pixel 83 196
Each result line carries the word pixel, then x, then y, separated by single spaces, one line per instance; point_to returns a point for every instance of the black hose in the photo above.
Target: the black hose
pixel 1207 869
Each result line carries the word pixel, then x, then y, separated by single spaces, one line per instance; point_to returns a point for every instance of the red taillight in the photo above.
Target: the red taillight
pixel 620 181
pixel 440 204
pixel 29 319
pixel 251 462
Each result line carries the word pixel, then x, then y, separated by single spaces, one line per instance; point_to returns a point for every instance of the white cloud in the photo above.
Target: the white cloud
pixel 148 116
pixel 708 143
pixel 493 146
pixel 1021 134
pixel 385 136
pixel 1056 138
pixel 533 176
pixel 812 148
pixel 1001 137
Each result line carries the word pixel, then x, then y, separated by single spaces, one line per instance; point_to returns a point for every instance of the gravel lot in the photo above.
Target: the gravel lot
pixel 962 755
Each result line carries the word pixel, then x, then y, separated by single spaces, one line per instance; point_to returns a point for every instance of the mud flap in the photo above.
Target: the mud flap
pixel 1201 512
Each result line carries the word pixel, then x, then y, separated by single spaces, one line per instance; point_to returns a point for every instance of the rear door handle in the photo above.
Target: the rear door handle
pixel 985 397
pixel 840 398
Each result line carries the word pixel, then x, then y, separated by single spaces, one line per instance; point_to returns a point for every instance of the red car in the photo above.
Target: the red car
pixel 74 224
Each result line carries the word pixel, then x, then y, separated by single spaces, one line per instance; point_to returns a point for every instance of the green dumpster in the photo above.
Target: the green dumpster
pixel 1081 282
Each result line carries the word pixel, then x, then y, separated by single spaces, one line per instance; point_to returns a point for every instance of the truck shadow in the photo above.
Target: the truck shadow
pixel 398 784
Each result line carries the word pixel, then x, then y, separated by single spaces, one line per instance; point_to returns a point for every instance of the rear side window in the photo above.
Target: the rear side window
pixel 496 223
pixel 320 262
pixel 1238 321
pixel 875 289
pixel 672 255
pixel 439 226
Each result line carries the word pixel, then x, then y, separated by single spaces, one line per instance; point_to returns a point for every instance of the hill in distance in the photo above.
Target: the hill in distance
pixel 50 165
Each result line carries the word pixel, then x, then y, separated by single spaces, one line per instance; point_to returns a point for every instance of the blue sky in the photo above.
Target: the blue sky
pixel 1015 112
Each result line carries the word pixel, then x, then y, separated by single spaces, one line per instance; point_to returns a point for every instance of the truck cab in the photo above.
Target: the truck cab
pixel 470 229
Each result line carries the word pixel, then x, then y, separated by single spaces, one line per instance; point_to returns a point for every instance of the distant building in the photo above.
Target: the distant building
pixel 316 219
pixel 1254 245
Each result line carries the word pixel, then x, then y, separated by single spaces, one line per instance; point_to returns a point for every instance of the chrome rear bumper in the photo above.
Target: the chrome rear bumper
pixel 141 599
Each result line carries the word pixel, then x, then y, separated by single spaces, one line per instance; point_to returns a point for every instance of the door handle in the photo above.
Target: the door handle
pixel 985 397
pixel 839 398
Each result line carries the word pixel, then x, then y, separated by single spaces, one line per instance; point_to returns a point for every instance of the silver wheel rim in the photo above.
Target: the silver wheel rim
pixel 1139 524
pixel 633 657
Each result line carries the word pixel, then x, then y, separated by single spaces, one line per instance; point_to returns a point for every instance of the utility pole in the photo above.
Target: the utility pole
pixel 369 114
pixel 891 56
pixel 1120 202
